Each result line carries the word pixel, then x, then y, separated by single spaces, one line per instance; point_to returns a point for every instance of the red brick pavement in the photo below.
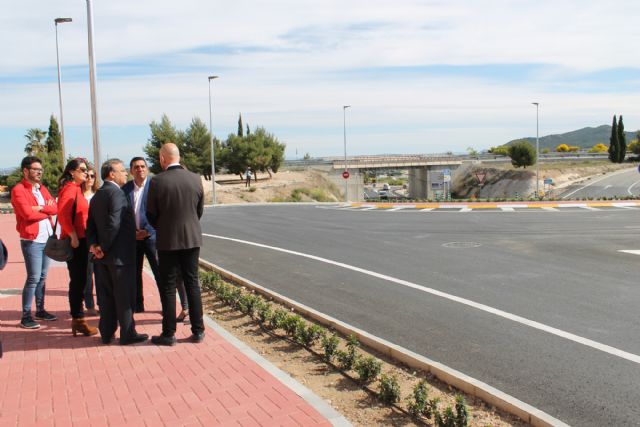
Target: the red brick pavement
pixel 50 378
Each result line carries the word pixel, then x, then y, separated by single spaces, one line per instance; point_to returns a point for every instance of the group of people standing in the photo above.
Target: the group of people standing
pixel 111 230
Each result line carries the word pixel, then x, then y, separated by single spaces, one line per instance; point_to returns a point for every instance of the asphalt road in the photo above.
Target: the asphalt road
pixel 560 269
pixel 622 184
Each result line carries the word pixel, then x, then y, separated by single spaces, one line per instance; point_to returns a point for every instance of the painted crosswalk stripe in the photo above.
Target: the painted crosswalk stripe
pixel 550 209
pixel 426 209
pixel 507 209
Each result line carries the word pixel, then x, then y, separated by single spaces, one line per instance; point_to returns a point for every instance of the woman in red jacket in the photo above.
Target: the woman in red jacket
pixel 73 211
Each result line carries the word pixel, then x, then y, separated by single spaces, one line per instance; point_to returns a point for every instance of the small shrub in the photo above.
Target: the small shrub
pixel 431 408
pixel 418 402
pixel 462 414
pixel 368 369
pixel 292 324
pixel 349 358
pixel 252 189
pixel 265 312
pixel 389 389
pixel 330 345
pixel 278 319
pixel 309 335
pixel 447 419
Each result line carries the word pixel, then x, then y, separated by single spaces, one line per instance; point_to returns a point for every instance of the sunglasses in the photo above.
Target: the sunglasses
pixel 92 175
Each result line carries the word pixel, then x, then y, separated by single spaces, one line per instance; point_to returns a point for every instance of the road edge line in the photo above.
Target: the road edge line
pixel 470 385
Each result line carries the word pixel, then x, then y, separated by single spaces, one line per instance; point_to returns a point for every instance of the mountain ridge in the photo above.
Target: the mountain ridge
pixel 584 138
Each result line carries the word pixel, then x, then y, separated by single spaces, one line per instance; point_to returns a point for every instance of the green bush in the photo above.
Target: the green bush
pixel 462 415
pixel 389 389
pixel 418 402
pixel 292 324
pixel 349 358
pixel 307 336
pixel 368 368
pixel 265 312
pixel 330 345
pixel 278 319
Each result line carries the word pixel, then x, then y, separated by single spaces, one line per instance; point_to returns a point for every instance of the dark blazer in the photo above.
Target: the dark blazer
pixel 144 223
pixel 174 206
pixel 112 226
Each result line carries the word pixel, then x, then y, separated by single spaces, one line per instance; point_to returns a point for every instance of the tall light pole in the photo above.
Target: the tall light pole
pixel 92 83
pixel 537 151
pixel 344 124
pixel 60 21
pixel 213 160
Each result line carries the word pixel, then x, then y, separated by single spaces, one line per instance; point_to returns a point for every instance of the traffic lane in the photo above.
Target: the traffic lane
pixel 571 280
pixel 572 382
pixel 620 184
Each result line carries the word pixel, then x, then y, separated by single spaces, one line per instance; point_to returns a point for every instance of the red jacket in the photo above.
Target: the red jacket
pixel 23 200
pixel 70 192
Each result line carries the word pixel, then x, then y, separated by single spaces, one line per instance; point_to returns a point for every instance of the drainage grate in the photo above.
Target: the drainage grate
pixel 461 245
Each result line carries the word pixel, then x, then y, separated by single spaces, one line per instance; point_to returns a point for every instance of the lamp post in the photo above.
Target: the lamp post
pixel 537 151
pixel 344 123
pixel 213 161
pixel 92 85
pixel 60 21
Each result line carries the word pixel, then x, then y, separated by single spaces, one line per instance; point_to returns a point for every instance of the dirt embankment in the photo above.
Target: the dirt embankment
pixel 504 181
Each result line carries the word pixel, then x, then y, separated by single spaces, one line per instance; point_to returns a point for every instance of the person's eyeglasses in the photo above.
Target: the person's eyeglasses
pixel 37 169
pixel 83 170
pixel 92 175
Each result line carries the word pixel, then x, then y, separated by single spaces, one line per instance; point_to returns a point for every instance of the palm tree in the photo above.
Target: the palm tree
pixel 34 146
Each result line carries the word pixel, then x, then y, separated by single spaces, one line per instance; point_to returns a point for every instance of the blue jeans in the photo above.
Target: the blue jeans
pixel 37 264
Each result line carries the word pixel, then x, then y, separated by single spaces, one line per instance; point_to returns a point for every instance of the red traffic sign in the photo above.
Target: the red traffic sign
pixel 480 176
pixel 345 174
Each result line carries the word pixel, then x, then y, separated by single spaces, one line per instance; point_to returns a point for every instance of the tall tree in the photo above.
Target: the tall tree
pixel 614 146
pixel 196 151
pixel 52 159
pixel 240 127
pixel 161 133
pixel 622 141
pixel 34 137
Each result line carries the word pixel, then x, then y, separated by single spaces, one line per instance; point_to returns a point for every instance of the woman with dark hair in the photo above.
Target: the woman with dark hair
pixel 89 188
pixel 73 211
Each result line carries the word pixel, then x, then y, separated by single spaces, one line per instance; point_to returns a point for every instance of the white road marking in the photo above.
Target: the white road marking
pixel 488 309
pixel 550 209
pixel 466 210
pixel 507 209
pixel 630 187
pixel 426 209
pixel 368 208
pixel 607 187
pixel 630 251
pixel 590 208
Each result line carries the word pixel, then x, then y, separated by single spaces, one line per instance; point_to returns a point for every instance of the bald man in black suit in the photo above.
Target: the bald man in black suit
pixel 175 203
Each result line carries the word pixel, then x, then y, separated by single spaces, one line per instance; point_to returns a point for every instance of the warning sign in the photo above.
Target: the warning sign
pixel 480 176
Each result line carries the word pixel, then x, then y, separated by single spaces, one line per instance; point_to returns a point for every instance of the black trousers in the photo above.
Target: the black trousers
pixel 171 263
pixel 146 247
pixel 78 278
pixel 115 285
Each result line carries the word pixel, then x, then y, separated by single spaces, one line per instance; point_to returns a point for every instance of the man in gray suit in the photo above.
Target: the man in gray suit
pixel 111 236
pixel 175 203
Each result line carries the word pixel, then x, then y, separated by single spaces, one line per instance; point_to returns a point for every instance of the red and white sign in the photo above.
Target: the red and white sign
pixel 345 174
pixel 480 175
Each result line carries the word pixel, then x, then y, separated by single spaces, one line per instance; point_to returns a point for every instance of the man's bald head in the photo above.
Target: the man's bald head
pixel 169 154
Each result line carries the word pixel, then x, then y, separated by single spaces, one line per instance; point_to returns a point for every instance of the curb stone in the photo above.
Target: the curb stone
pixel 470 385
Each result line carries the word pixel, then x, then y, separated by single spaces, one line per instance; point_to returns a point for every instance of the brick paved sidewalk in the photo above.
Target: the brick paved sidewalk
pixel 48 377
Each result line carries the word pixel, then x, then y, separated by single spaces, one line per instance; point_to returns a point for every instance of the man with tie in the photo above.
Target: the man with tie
pixel 136 191
pixel 174 206
pixel 111 237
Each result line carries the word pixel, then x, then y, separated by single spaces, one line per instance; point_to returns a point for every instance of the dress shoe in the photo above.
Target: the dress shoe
pixel 134 339
pixel 162 340
pixel 197 337
pixel 107 340
pixel 183 314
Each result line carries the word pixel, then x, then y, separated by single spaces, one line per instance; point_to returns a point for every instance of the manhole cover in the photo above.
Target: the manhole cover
pixel 461 245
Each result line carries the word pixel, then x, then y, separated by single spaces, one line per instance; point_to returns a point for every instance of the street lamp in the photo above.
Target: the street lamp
pixel 60 21
pixel 344 122
pixel 537 149
pixel 92 85
pixel 213 164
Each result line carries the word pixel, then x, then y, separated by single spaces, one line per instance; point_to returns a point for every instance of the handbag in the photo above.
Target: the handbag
pixel 4 256
pixel 60 249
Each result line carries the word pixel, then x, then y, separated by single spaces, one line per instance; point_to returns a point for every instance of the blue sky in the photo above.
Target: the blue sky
pixel 421 76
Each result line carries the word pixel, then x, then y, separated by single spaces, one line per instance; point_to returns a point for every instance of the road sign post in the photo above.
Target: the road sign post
pixel 345 174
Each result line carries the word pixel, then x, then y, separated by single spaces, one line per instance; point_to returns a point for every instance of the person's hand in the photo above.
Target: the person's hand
pixel 50 202
pixel 75 242
pixel 36 208
pixel 96 250
pixel 141 234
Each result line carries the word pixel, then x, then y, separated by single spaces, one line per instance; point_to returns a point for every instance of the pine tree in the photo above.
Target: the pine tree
pixel 240 127
pixel 161 133
pixel 614 146
pixel 622 141
pixel 53 162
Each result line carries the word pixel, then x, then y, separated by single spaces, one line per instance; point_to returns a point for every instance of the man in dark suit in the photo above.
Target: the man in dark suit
pixel 174 206
pixel 111 236
pixel 136 191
